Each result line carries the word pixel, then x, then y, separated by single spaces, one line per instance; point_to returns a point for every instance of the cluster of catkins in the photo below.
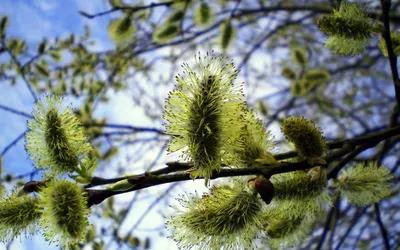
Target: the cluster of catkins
pixel 211 125
pixel 57 144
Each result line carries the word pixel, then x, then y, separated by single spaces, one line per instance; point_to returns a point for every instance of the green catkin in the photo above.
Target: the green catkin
pixel 256 143
pixel 204 114
pixel 226 218
pixel 64 212
pixel 395 43
pixel 365 184
pixel 18 215
pixel 349 29
pixel 55 139
pixel 305 135
pixel 300 194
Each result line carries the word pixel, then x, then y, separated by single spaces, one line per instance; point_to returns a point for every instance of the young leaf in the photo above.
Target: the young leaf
pixel 165 33
pixel 203 15
pixel 227 35
pixel 289 73
pixel 299 55
pixel 317 75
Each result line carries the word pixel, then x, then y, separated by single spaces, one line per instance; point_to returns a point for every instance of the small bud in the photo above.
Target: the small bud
pixel 317 75
pixel 176 16
pixel 121 186
pixel 265 188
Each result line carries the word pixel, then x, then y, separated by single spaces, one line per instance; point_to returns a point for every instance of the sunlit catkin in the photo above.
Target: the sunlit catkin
pixel 64 212
pixel 203 114
pixel 305 135
pixel 225 219
pixel 18 215
pixel 55 138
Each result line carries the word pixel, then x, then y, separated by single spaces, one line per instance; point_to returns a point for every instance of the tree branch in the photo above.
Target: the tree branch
pixel 385 4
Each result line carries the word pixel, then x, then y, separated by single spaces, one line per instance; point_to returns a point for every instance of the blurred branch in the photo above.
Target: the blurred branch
pixel 127 8
pixel 14 111
pixel 135 129
pixel 381 226
pixel 385 4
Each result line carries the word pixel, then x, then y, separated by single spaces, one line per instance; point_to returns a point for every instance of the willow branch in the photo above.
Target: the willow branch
pixel 385 4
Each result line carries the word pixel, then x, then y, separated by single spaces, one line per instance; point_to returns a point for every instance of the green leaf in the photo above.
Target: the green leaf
pixel 121 30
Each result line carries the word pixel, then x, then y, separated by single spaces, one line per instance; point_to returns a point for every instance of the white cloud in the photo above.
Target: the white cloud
pixel 45 5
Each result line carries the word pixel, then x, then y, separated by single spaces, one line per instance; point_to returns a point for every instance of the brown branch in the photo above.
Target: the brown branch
pixel 176 171
pixel 168 174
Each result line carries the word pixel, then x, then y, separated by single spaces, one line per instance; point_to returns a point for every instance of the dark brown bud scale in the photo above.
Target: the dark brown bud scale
pixel 265 188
